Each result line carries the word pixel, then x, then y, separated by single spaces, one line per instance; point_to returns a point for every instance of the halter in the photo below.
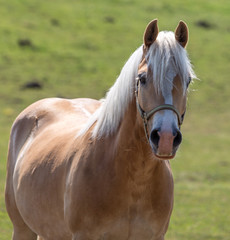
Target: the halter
pixel 147 115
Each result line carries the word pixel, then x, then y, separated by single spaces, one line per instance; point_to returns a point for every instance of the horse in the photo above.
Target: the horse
pixel 86 169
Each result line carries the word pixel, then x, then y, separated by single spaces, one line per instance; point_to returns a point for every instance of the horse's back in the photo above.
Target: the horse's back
pixel 48 120
pixel 41 147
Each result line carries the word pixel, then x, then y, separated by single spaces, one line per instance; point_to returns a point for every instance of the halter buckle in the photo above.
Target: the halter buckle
pixel 145 118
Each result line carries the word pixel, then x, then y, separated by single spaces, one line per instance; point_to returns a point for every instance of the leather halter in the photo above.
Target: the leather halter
pixel 147 115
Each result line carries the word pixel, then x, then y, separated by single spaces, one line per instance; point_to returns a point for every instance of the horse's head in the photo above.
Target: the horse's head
pixel 163 78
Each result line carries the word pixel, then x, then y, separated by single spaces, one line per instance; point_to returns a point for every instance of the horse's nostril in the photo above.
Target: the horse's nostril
pixel 155 137
pixel 178 139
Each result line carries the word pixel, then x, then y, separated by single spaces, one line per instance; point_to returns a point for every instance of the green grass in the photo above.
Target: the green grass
pixel 77 50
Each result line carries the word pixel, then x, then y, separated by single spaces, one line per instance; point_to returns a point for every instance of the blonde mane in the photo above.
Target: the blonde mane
pixel 118 98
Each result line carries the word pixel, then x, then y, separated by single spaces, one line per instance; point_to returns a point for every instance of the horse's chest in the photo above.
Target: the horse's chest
pixel 130 229
pixel 139 222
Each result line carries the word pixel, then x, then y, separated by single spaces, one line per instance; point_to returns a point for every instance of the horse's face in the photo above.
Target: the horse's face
pixel 163 125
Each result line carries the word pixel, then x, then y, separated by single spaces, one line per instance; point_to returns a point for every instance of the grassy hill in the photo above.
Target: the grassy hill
pixel 77 48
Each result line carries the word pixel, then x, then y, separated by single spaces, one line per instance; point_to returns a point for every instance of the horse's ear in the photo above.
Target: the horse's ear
pixel 181 34
pixel 151 33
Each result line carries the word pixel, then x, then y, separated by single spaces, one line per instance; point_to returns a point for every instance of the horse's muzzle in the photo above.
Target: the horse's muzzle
pixel 165 143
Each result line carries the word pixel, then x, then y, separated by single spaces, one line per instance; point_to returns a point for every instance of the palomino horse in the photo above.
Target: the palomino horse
pixel 87 170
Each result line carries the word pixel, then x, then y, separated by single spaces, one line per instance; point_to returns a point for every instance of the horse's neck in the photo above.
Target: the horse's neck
pixel 132 148
pixel 124 159
pixel 126 153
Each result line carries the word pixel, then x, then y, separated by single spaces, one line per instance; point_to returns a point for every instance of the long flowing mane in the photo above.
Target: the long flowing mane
pixel 108 117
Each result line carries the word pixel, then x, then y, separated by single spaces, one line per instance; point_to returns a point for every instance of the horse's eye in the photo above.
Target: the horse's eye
pixel 189 81
pixel 142 77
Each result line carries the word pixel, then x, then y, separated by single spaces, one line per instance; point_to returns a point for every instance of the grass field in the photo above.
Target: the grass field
pixel 77 48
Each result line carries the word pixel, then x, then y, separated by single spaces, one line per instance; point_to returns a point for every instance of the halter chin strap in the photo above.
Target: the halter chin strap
pixel 147 115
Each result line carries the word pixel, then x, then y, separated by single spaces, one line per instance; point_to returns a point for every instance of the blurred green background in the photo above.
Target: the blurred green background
pixel 76 48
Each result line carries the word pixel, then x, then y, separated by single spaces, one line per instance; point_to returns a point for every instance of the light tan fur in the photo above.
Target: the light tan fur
pixel 63 186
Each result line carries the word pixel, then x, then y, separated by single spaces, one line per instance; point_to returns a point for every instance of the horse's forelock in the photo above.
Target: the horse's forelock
pixel 167 53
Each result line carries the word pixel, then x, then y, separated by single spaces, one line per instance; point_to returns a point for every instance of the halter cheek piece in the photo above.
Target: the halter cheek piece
pixel 147 115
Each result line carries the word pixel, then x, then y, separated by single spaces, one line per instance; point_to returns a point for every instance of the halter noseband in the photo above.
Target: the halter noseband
pixel 147 115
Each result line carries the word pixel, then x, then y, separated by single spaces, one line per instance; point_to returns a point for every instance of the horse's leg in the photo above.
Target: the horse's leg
pixel 21 230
